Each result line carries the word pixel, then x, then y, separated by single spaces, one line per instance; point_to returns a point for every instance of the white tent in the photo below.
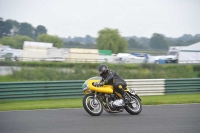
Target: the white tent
pixel 190 54
pixel 56 54
pixel 35 51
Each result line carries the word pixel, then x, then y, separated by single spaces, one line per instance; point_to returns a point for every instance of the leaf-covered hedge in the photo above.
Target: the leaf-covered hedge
pixel 48 71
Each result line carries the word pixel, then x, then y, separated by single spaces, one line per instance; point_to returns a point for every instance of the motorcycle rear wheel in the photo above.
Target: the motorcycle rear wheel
pixel 135 107
pixel 91 105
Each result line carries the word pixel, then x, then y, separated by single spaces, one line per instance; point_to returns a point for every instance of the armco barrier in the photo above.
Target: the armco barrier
pixel 72 88
pixel 147 86
pixel 40 90
pixel 182 86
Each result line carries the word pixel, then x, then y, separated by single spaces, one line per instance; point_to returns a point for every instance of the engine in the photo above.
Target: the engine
pixel 115 102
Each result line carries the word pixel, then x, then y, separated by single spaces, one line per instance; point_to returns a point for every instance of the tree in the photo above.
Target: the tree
pixel 1 27
pixel 19 39
pixel 110 39
pixel 133 43
pixel 197 38
pixel 179 43
pixel 144 42
pixel 9 41
pixel 78 39
pixel 40 30
pixel 16 41
pixel 15 27
pixel 26 29
pixel 158 41
pixel 88 39
pixel 57 42
pixel 5 28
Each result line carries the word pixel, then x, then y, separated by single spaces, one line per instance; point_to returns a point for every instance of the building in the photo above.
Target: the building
pixel 190 54
pixel 35 51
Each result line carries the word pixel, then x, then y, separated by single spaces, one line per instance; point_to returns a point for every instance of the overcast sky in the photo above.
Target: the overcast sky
pixel 141 18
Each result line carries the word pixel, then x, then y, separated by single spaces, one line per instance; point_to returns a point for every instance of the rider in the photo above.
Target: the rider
pixel 110 77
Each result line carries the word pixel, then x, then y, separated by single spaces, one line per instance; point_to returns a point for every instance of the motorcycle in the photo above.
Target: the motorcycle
pixel 104 97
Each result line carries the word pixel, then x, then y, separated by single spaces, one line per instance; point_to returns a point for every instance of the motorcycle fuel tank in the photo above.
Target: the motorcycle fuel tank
pixel 104 89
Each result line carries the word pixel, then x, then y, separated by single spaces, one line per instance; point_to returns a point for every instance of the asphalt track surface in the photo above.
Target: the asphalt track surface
pixel 152 119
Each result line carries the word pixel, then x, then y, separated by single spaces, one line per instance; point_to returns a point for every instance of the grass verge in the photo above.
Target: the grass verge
pixel 77 103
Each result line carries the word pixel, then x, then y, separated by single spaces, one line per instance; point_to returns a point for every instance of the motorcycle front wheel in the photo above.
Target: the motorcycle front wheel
pixel 135 106
pixel 92 105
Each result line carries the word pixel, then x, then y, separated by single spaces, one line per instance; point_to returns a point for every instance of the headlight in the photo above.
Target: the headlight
pixel 85 86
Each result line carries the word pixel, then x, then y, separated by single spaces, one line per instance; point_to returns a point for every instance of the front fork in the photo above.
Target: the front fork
pixel 95 98
pixel 129 94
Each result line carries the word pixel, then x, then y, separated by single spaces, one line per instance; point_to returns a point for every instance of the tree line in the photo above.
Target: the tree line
pixel 111 39
pixel 13 33
pixel 11 27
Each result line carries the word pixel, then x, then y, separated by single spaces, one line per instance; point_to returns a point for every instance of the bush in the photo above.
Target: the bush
pixel 48 71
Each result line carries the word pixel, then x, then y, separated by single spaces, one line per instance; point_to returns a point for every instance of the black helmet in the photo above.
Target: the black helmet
pixel 103 69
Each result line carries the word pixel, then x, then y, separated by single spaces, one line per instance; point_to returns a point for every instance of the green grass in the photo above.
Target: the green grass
pixel 171 99
pixel 76 72
pixel 40 104
pixel 77 103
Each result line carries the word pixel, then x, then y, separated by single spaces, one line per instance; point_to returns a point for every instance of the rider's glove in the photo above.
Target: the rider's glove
pixel 98 84
pixel 101 84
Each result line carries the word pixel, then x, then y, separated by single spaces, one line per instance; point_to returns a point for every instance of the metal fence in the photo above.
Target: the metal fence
pixel 72 88
pixel 147 86
pixel 77 60
pixel 182 86
pixel 53 59
pixel 40 90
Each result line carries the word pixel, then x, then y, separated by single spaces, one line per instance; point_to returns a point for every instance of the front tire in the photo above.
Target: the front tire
pixel 135 106
pixel 91 105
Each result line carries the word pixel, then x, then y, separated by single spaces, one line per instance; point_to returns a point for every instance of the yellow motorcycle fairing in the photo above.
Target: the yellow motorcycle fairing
pixel 104 89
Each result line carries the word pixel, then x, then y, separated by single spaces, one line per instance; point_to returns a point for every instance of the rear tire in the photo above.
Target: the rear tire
pixel 92 106
pixel 135 107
